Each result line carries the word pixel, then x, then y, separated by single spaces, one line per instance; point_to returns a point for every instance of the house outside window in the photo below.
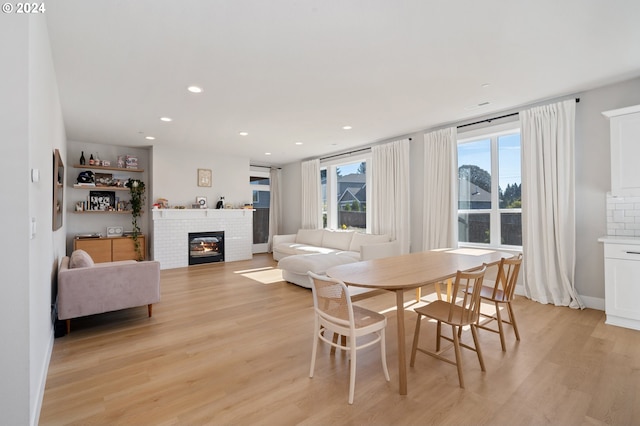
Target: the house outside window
pixel 344 187
pixel 489 187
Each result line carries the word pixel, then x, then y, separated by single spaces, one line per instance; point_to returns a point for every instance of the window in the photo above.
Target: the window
pixel 344 195
pixel 489 187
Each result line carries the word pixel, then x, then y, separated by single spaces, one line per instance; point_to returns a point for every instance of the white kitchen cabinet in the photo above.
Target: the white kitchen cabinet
pixel 625 150
pixel 622 281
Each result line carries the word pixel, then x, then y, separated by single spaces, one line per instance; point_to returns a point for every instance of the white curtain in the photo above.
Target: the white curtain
pixel 548 203
pixel 311 194
pixel 275 205
pixel 390 191
pixel 440 217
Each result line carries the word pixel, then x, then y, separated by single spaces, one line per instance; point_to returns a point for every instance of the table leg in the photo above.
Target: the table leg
pixel 402 357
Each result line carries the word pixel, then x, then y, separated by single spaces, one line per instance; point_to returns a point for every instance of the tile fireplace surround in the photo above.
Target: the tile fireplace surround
pixel 171 229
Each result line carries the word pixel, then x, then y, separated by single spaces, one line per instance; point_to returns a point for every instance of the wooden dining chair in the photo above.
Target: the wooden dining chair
pixel 334 313
pixel 463 310
pixel 501 293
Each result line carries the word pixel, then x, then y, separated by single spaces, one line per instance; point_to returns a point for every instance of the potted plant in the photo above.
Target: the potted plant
pixel 136 190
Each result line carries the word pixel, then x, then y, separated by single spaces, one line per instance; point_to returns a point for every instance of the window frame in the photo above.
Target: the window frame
pixel 332 187
pixel 493 133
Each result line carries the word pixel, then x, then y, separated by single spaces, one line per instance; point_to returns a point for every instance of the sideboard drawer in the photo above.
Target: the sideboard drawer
pixel 622 251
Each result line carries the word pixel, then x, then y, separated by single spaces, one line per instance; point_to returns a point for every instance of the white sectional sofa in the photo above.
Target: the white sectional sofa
pixel 317 250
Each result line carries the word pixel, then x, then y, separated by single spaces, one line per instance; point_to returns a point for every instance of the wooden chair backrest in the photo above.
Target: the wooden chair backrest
pixel 507 278
pixel 466 294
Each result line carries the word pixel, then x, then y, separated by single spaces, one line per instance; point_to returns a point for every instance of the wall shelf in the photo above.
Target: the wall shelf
pixel 117 169
pixel 104 211
pixel 101 188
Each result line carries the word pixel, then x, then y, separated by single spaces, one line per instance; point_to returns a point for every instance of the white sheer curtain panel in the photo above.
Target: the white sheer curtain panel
pixel 548 203
pixel 390 191
pixel 440 217
pixel 275 206
pixel 311 194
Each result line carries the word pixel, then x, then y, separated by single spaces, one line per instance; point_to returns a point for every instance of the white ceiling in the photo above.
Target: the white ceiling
pixel 289 71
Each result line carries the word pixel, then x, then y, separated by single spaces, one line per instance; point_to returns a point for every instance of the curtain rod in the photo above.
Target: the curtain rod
pixel 350 152
pixel 489 120
pixel 265 167
pixel 345 153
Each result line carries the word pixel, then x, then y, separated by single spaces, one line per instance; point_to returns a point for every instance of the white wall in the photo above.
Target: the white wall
pixel 175 177
pixel 14 148
pixel 593 180
pixel 31 128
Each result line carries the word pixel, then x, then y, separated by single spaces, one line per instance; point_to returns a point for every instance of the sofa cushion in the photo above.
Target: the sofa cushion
pixel 337 239
pixel 360 238
pixel 318 263
pixel 80 259
pixel 312 237
pixel 295 248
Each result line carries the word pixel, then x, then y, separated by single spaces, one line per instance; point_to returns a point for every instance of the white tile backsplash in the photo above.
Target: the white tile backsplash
pixel 623 216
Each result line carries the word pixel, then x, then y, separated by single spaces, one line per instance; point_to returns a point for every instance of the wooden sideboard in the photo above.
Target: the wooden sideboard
pixel 111 249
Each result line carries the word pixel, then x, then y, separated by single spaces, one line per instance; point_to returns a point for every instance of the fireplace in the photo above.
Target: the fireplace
pixel 206 247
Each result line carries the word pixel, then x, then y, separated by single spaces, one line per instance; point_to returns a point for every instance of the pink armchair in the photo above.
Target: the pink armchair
pixel 85 288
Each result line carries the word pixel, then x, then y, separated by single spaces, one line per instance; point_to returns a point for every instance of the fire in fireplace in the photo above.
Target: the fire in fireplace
pixel 206 247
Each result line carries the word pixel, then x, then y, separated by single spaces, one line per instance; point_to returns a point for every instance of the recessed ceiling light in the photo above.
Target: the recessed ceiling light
pixel 347 127
pixel 243 134
pixel 298 143
pixel 151 138
pixel 485 85
pixel 167 119
pixel 267 153
pixel 195 89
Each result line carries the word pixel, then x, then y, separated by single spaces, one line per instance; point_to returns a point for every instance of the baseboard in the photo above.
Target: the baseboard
pixel 35 415
pixel 589 302
pixel 593 302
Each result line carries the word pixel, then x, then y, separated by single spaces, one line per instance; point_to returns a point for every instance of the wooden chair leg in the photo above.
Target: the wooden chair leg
pixel 416 337
pixel 512 318
pixel 500 328
pixel 418 293
pixel 474 332
pixel 68 326
pixel 456 346
pixel 150 309
pixel 334 339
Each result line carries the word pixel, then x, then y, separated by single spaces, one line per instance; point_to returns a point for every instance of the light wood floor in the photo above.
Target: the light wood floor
pixel 225 347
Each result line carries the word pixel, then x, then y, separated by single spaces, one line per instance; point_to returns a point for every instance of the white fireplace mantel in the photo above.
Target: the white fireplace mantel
pixel 172 226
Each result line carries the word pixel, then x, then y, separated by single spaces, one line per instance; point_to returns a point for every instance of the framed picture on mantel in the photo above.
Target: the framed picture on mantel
pixel 204 177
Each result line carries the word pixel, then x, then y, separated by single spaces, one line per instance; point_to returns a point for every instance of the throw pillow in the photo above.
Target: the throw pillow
pixel 80 259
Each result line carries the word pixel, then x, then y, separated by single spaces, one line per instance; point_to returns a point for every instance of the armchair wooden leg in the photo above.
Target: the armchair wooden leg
pixel 150 309
pixel 68 326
